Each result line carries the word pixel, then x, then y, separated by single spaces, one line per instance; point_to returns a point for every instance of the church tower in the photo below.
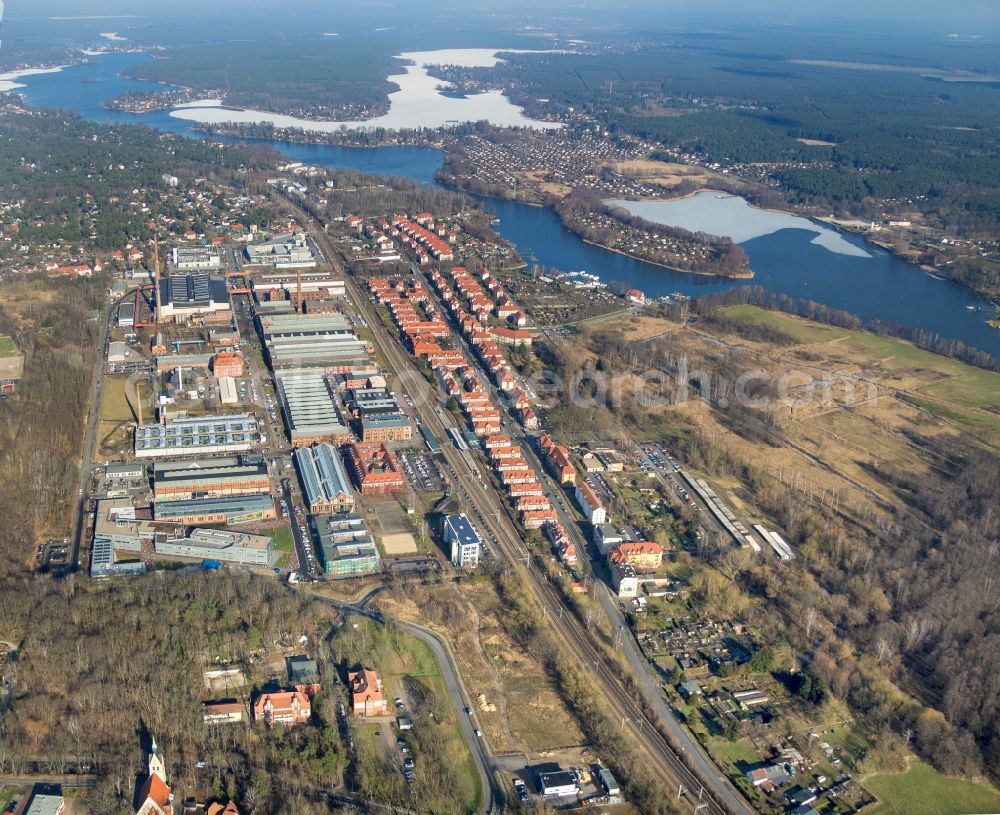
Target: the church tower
pixel 156 766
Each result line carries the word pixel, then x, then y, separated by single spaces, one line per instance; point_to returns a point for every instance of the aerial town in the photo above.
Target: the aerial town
pixel 608 424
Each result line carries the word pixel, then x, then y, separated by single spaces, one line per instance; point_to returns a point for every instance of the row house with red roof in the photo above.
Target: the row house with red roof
pixel 557 459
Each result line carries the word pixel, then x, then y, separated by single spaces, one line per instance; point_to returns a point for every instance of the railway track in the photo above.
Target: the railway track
pixel 665 764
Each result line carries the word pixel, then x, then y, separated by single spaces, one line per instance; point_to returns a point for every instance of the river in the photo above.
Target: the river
pixel 787 261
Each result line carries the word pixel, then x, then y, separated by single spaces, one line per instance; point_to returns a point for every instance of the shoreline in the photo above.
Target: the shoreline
pixel 661 265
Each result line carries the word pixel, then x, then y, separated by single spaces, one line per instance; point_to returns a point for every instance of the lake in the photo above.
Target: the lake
pixel 419 102
pixel 729 216
pixel 787 261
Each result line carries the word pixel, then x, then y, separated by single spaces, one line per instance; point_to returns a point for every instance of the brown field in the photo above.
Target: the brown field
pixel 661 172
pixel 884 404
pixel 530 717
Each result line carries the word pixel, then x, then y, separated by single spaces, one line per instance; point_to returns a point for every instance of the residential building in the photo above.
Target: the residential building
pixel 769 776
pixel 228 808
pixel 643 556
pixel 366 693
pixel 624 580
pixel 591 506
pixel 607 537
pixel 325 484
pixel 42 802
pixel 466 544
pixel 287 708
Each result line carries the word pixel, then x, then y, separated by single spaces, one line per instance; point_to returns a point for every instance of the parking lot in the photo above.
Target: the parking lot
pixel 421 470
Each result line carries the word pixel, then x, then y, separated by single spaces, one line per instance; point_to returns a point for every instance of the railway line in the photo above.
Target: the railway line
pixel 699 793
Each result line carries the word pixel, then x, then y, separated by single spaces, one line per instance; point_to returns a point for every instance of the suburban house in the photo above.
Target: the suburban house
pixel 769 776
pixel 223 809
pixel 366 693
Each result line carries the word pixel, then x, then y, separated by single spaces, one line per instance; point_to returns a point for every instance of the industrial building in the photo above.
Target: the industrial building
pixel 220 545
pixel 312 283
pixel 126 315
pixel 346 547
pixel 227 363
pixel 308 407
pixel 210 478
pixel 282 252
pixel 324 480
pixel 197 436
pixel 184 296
pixel 171 362
pixel 466 544
pixel 237 509
pixel 374 469
pixel 300 341
pixel 116 529
pixel 554 782
pixel 190 258
pixel 380 416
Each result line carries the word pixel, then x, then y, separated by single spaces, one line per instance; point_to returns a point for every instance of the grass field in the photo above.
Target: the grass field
pixel 282 537
pixel 7 347
pixel 924 791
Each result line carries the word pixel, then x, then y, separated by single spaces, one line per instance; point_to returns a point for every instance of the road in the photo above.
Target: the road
pixel 488 509
pixel 493 794
pixel 90 434
pixel 652 693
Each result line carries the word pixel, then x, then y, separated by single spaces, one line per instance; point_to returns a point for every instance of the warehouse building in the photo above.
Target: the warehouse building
pixel 197 436
pixel 220 545
pixel 309 410
pixel 237 509
pixel 126 315
pixel 190 258
pixel 324 480
pixel 185 296
pixel 282 252
pixel 210 478
pixel 346 547
pixel 227 391
pixel 466 544
pixel 327 341
pixel 170 362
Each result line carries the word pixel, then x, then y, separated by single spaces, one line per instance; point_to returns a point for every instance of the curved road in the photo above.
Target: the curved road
pixel 493 794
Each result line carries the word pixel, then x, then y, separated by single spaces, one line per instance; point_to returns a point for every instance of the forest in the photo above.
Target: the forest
pixel 311 79
pixel 65 180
